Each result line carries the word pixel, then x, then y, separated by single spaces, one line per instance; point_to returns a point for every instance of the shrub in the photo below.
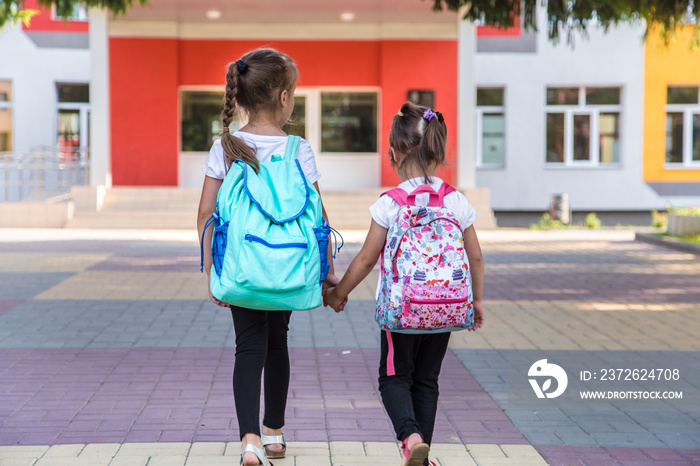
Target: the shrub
pixel 659 219
pixel 592 221
pixel 547 223
pixel 694 211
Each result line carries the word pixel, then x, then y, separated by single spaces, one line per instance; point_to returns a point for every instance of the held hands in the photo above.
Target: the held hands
pixel 329 284
pixel 478 316
pixel 332 299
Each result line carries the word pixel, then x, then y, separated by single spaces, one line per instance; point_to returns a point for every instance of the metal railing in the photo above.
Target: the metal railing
pixel 42 174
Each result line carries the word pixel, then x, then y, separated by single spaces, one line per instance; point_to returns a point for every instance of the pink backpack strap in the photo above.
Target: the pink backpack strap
pixel 435 199
pixel 444 190
pixel 397 194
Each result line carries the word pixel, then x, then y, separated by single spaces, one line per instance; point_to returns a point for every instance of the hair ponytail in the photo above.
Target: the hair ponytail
pixel 234 148
pixel 421 135
pixel 432 146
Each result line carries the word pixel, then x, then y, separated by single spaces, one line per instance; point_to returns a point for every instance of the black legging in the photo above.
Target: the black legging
pixel 408 381
pixel 261 342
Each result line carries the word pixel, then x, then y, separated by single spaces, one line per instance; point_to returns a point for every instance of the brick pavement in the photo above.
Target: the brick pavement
pixel 110 353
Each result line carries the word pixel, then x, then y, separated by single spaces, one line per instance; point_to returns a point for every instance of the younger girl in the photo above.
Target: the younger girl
pixel 410 394
pixel 262 84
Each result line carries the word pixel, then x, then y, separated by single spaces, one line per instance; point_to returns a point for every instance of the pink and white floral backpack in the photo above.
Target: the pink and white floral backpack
pixel 426 283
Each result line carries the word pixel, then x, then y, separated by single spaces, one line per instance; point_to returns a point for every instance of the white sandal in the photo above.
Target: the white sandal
pixel 257 451
pixel 273 440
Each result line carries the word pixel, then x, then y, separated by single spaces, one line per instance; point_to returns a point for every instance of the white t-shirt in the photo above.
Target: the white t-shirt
pixel 386 209
pixel 265 147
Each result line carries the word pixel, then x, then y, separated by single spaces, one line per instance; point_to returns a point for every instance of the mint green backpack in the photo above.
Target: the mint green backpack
pixel 270 240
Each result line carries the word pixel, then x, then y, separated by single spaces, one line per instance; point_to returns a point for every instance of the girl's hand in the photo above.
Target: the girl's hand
pixel 478 316
pixel 330 281
pixel 214 300
pixel 332 299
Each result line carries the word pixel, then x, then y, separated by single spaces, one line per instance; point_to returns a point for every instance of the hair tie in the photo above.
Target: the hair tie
pixel 241 66
pixel 400 113
pixel 226 130
pixel 429 114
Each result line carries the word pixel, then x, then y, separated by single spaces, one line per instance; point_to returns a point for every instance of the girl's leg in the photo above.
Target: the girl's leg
pixel 395 381
pixel 276 369
pixel 250 327
pixel 425 390
pixel 276 374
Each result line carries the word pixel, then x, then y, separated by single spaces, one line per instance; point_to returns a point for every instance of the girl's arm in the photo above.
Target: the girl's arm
pixel 207 205
pixel 360 267
pixel 476 263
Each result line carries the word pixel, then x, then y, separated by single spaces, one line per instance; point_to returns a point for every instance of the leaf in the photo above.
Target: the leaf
pixel 546 385
pixel 26 16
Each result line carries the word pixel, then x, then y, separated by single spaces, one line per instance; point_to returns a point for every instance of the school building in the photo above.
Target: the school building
pixel 611 121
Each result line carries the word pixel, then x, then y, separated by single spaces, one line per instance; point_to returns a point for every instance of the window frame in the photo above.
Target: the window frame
pixel 480 111
pixel 312 95
pixel 582 108
pixel 688 111
pixel 83 109
pixel 316 142
pixel 83 16
pixel 9 104
pixel 180 91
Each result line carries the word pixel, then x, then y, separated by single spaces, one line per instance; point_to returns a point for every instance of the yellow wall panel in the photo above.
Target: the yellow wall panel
pixel 675 64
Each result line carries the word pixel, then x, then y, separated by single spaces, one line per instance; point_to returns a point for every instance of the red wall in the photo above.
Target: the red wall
pixel 43 21
pixel 424 65
pixel 143 80
pixel 145 75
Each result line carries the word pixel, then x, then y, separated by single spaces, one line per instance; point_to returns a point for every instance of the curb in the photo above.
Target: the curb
pixel 667 241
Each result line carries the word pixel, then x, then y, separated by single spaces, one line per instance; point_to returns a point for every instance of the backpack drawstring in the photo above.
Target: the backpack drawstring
pixel 214 217
pixel 336 248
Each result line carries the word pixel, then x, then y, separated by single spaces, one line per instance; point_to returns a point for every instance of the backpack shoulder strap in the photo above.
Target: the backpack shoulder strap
pixel 292 147
pixel 397 194
pixel 444 190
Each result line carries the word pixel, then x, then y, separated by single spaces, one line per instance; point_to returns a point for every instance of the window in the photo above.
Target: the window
pixel 583 125
pixel 72 117
pixel 5 116
pixel 683 126
pixel 349 122
pixel 200 119
pixel 297 123
pixel 336 122
pixel 490 122
pixel 78 13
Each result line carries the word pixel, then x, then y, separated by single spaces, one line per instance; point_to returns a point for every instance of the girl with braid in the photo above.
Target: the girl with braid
pixel 261 85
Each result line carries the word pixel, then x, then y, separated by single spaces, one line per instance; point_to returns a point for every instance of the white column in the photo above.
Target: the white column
pixel 466 100
pixel 100 161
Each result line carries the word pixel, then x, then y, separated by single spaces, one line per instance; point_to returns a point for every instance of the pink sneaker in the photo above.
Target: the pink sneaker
pixel 416 455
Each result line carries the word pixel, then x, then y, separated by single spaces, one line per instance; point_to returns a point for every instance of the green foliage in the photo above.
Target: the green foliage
pixel 659 219
pixel 571 16
pixel 11 11
pixel 693 211
pixel 592 221
pixel 547 223
pixel 695 239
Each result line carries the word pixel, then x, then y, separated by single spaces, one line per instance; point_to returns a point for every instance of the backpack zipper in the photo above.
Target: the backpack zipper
pixel 436 301
pixel 257 239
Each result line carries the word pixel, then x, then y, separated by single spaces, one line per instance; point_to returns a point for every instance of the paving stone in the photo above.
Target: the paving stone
pixel 114 340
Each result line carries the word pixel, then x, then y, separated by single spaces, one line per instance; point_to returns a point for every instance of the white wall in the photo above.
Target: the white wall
pixel 34 72
pixel 526 183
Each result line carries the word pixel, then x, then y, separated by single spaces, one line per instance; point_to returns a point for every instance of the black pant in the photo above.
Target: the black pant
pixel 408 381
pixel 261 342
